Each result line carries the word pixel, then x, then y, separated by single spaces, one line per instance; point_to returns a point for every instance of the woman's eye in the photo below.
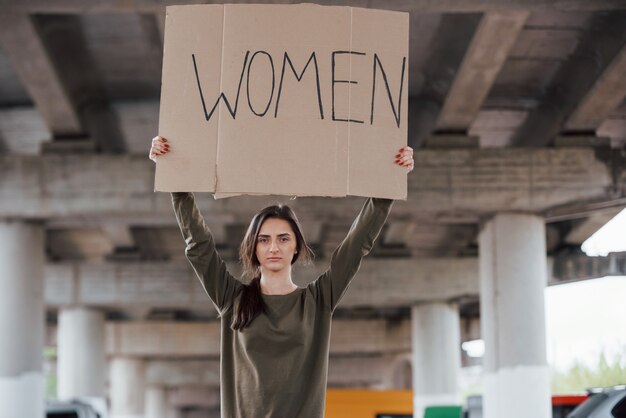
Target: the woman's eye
pixel 284 239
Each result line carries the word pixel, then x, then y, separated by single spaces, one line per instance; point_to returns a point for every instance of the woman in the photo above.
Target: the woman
pixel 275 335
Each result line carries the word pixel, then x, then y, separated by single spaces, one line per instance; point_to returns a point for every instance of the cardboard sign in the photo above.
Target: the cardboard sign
pixel 298 100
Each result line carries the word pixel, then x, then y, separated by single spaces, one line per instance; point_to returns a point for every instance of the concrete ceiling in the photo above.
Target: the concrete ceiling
pixel 82 79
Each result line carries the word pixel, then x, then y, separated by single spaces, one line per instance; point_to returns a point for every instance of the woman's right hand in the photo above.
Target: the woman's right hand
pixel 159 147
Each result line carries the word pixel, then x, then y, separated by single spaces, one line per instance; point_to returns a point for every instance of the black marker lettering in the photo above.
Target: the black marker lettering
pixel 334 81
pixel 233 112
pixel 286 59
pixel 382 70
pixel 248 83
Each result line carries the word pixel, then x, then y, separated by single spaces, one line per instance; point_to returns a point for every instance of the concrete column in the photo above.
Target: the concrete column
pixel 513 275
pixel 22 387
pixel 175 413
pixel 81 367
pixel 399 373
pixel 127 388
pixel 156 402
pixel 436 347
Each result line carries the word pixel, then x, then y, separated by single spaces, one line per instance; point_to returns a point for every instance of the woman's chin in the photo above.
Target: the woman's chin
pixel 274 267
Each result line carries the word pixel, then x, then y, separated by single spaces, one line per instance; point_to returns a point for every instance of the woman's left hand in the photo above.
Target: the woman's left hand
pixel 404 158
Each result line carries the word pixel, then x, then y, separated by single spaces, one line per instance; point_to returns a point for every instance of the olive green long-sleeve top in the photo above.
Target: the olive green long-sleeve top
pixel 277 366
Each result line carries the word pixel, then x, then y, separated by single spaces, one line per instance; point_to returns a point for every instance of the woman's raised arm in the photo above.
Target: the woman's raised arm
pixel 346 259
pixel 218 283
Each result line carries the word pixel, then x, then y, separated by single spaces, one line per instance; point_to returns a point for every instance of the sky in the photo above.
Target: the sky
pixel 587 317
pixel 583 318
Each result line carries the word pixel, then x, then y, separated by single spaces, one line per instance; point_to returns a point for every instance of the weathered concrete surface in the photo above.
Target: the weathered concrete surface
pixel 22 384
pixel 81 358
pixel 584 229
pixel 489 49
pixel 574 267
pixel 605 96
pixel 156 402
pixel 466 183
pixel 26 50
pixel 202 339
pixel 342 372
pixel 196 395
pixel 512 312
pixel 128 387
pixel 379 283
pixel 173 373
pixel 435 343
pixel 23 131
pixel 575 77
pixel 441 6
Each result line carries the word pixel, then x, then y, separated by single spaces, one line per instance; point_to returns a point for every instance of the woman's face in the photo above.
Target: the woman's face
pixel 275 245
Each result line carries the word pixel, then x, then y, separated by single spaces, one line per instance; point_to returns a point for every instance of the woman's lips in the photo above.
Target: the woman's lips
pixel 274 258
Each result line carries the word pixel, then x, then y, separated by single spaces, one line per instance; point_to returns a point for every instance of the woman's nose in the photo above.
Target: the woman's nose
pixel 273 247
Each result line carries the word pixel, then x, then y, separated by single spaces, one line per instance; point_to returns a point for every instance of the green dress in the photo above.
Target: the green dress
pixel 277 367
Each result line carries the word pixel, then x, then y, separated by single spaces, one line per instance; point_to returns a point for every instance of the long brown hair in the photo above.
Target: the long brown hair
pixel 251 303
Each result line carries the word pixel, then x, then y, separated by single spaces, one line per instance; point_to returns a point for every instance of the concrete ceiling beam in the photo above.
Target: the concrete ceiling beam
pixel 568 267
pixel 586 227
pixel 80 244
pixel 153 27
pixel 605 96
pixel 466 183
pixel 173 340
pixel 22 44
pixel 381 283
pixel 173 285
pixel 196 382
pixel 195 395
pixel 487 53
pixel 181 372
pixel 426 6
pixel 68 48
pixel 576 77
pixel 448 47
pixel 118 233
pixel 160 22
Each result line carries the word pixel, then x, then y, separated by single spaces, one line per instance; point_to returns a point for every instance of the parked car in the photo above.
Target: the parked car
pixel 74 409
pixel 563 405
pixel 603 403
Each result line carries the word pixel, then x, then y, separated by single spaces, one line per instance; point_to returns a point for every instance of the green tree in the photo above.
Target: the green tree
pixel 580 376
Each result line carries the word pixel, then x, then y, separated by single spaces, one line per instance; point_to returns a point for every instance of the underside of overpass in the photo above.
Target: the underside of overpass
pixel 517 115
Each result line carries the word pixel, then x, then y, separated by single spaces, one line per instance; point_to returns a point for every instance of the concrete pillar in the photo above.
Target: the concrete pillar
pixel 81 367
pixel 175 413
pixel 22 318
pixel 399 373
pixel 435 343
pixel 156 402
pixel 127 388
pixel 513 275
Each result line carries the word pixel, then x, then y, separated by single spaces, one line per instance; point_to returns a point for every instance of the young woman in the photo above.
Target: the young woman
pixel 275 335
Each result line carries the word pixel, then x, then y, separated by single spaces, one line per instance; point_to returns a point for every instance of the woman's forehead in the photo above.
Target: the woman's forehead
pixel 275 226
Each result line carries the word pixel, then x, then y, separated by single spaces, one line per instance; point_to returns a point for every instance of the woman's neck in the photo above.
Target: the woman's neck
pixel 277 282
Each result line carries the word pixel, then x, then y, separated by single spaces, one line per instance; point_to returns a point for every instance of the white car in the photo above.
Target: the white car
pixel 604 403
pixel 74 409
